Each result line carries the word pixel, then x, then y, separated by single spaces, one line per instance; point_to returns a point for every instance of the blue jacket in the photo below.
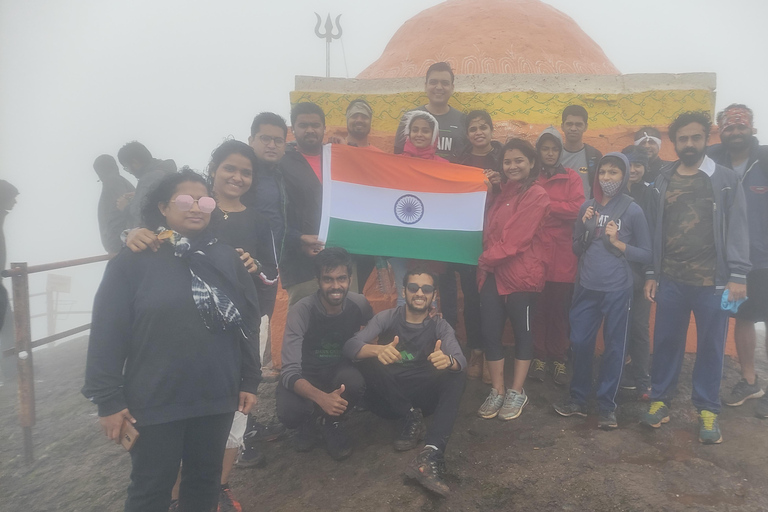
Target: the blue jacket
pixel 755 185
pixel 731 233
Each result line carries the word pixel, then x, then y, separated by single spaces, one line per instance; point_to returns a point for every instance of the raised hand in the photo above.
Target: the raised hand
pixel 389 354
pixel 438 359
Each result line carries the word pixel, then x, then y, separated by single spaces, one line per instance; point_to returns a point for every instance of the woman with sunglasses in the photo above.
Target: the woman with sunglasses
pixel 170 349
pixel 511 272
pixel 230 173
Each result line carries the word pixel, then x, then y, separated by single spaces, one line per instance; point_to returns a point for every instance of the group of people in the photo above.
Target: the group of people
pixel 572 240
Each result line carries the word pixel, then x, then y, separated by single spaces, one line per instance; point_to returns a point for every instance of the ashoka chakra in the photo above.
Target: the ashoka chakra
pixel 409 209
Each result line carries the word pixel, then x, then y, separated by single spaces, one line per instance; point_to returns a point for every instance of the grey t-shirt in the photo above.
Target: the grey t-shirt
pixel 741 168
pixel 578 162
pixel 451 139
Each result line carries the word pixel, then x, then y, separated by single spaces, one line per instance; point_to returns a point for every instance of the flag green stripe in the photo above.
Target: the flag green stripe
pixel 405 242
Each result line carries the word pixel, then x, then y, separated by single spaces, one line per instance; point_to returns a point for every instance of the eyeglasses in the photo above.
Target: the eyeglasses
pixel 413 288
pixel 184 203
pixel 266 139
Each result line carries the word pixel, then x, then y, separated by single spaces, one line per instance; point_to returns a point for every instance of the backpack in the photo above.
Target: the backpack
pixel 591 224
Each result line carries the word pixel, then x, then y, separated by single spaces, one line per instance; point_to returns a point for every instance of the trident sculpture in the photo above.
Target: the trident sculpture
pixel 329 36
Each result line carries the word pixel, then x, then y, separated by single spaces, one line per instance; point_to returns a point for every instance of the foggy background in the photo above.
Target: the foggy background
pixel 82 77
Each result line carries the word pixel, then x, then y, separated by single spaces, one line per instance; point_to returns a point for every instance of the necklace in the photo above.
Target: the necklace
pixel 227 212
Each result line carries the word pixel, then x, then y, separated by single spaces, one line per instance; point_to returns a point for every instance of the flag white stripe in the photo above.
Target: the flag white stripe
pixel 376 205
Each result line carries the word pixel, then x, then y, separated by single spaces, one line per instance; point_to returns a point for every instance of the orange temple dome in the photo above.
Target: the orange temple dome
pixel 491 36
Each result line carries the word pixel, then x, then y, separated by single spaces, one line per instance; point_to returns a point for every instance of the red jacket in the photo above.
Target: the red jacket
pixel 515 247
pixel 566 195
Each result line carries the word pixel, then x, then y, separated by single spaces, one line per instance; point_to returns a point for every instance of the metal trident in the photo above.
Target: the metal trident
pixel 329 36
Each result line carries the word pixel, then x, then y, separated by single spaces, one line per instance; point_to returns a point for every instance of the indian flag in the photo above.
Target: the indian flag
pixel 391 205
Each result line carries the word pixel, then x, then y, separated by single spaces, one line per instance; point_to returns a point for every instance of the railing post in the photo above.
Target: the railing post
pixel 24 356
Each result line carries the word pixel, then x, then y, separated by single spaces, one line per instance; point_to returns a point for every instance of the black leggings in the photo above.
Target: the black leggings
pixel 494 311
pixel 199 444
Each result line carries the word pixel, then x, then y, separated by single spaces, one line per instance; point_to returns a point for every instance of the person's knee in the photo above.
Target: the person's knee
pixel 354 383
pixel 292 410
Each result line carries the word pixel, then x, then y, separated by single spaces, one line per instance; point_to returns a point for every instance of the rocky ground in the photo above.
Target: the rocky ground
pixel 538 462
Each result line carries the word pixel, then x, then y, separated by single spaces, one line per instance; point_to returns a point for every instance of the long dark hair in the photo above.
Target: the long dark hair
pixel 230 147
pixel 162 193
pixel 529 152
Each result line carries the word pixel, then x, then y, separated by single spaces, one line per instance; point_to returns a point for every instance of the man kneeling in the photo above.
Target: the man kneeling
pixel 317 386
pixel 416 368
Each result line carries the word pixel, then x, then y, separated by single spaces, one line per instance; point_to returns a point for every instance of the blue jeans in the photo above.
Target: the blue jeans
pixel 674 304
pixel 589 309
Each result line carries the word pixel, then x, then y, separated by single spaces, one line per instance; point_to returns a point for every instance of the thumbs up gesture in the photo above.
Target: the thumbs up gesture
pixel 389 354
pixel 438 359
pixel 332 403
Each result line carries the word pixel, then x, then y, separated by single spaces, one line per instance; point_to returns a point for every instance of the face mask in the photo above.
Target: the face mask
pixel 610 187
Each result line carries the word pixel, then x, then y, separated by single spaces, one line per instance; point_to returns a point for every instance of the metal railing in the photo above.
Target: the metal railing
pixel 19 274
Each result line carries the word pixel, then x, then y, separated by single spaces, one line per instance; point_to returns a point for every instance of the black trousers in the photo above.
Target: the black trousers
pixel 197 443
pixel 293 410
pixel 392 390
pixel 494 311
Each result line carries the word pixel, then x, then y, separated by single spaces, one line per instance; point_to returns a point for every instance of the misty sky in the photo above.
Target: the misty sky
pixel 81 77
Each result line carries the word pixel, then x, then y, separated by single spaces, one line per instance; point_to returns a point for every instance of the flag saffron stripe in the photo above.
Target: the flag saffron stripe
pixel 359 165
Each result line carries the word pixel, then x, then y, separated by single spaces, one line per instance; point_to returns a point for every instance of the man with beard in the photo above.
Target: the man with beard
pixel 700 248
pixel 303 176
pixel 317 385
pixel 416 369
pixel 359 115
pixel 741 152
pixel 649 139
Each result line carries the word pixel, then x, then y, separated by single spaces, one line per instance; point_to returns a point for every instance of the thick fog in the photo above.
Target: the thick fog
pixel 81 77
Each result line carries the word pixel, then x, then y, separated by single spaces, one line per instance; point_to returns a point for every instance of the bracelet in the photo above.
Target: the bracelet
pixel 452 360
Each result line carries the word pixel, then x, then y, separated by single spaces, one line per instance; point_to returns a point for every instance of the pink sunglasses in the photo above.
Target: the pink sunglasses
pixel 184 203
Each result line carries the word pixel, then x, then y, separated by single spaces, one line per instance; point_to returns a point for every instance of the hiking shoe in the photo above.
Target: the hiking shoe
pixel 475 369
pixel 174 506
pixel 412 430
pixel 607 420
pixel 264 432
pixel 761 409
pixel 657 414
pixel 252 456
pixel 336 440
pixel 428 469
pixel 709 428
pixel 568 407
pixel 742 392
pixel 538 370
pixel 559 374
pixel 306 436
pixel 491 406
pixel 513 405
pixel 627 382
pixel 227 501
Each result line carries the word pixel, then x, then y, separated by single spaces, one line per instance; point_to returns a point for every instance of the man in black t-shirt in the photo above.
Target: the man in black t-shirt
pixel 317 385
pixel 416 368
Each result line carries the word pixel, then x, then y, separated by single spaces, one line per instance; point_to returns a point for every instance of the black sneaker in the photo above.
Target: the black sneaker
pixel 428 469
pixel 336 439
pixel 252 456
pixel 761 409
pixel 306 436
pixel 608 421
pixel 568 407
pixel 627 382
pixel 742 392
pixel 412 430
pixel 264 432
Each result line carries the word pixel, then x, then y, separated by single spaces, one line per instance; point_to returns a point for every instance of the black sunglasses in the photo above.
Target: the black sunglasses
pixel 426 288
